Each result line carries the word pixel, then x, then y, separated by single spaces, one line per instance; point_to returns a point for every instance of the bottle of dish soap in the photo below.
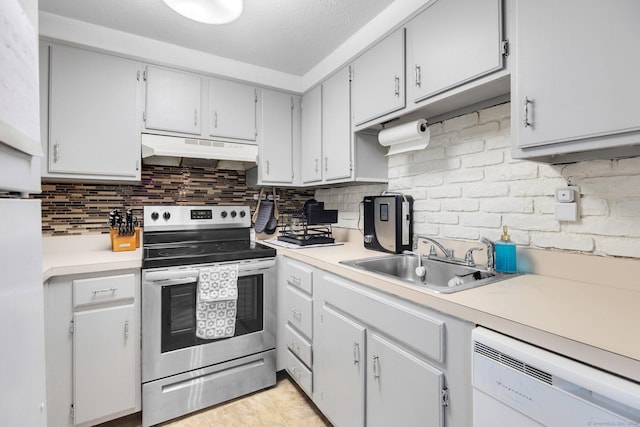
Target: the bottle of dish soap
pixel 505 253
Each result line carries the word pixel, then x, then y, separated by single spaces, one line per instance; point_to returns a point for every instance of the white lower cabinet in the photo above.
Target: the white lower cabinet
pixel 298 322
pixel 379 360
pixel 340 368
pixel 92 347
pixel 402 388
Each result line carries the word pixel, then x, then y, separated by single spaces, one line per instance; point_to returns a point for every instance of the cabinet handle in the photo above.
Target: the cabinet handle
pixel 397 86
pixel 356 353
pixel 101 291
pixel 526 121
pixel 316 165
pixel 267 167
pixel 56 152
pixel 195 117
pixel 215 120
pixel 296 314
pixel 126 329
pixel 418 76
pixel 326 164
pixel 376 367
pixel 297 280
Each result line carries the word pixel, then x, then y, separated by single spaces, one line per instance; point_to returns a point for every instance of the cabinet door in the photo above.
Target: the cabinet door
pixel 339 369
pixel 276 139
pixel 173 101
pixel 104 362
pixel 336 126
pixel 452 42
pixel 93 115
pixel 402 390
pixel 378 82
pixel 311 144
pixel 232 109
pixel 577 71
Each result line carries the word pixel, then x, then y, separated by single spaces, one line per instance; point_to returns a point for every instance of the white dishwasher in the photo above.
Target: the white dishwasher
pixel 517 384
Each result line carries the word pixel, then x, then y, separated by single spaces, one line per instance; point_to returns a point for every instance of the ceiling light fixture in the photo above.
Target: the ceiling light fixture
pixel 207 11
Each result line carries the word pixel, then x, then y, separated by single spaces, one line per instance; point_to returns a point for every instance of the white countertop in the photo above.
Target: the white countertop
pixel 91 253
pixel 592 322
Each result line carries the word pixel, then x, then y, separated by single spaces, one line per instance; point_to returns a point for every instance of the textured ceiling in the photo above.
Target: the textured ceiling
pixel 291 36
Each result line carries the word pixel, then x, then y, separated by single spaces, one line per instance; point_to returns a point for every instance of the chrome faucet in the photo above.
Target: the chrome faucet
pixel 491 260
pixel 448 253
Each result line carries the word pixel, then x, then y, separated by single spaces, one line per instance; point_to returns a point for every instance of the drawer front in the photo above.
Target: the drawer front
pixel 300 276
pixel 99 290
pixel 300 373
pixel 299 346
pixel 406 323
pixel 299 311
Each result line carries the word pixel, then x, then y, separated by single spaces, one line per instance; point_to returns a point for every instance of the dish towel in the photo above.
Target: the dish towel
pixel 216 301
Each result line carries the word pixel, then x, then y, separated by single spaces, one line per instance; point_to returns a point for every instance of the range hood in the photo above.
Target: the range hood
pixel 165 150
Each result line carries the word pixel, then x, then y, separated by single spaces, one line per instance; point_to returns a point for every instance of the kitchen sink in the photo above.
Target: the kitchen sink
pixel 441 276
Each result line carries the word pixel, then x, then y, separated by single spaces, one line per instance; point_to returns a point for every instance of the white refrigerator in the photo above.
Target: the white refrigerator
pixel 22 358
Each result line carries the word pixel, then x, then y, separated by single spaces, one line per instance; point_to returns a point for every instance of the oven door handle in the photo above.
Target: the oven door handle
pixel 161 276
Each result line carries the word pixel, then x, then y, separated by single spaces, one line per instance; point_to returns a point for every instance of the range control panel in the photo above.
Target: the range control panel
pixel 165 218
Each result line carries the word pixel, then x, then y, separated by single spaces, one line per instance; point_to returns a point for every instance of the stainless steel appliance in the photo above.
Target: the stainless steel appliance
pixel 182 373
pixel 388 222
pixel 517 384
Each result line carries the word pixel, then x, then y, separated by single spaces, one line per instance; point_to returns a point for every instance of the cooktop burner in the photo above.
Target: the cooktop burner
pixel 203 253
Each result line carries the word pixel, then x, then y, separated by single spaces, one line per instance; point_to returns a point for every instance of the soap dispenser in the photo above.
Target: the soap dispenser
pixel 505 253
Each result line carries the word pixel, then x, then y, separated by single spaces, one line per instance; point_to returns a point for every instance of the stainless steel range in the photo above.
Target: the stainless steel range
pixel 182 372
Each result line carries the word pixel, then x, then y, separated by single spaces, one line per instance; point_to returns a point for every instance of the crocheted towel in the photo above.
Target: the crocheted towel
pixel 216 301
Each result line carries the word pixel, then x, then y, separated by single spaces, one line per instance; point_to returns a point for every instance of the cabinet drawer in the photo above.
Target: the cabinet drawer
pixel 299 308
pixel 98 290
pixel 299 346
pixel 407 323
pixel 300 373
pixel 299 276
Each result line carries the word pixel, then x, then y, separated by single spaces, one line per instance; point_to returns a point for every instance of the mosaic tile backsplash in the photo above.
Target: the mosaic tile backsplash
pixel 75 208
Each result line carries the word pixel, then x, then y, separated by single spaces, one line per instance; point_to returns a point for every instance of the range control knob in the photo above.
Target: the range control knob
pixel 166 216
pixel 233 214
pixel 223 214
pixel 155 216
pixel 243 214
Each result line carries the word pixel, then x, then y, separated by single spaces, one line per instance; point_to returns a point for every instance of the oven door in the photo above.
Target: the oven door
pixel 169 342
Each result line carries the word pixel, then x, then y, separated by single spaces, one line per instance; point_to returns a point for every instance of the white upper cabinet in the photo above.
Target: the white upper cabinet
pixel 575 88
pixel 232 110
pixel 452 42
pixel 311 142
pixel 276 137
pixel 93 111
pixel 173 101
pixel 336 127
pixel 378 80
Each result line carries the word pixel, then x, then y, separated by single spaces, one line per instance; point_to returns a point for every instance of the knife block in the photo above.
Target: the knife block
pixel 124 242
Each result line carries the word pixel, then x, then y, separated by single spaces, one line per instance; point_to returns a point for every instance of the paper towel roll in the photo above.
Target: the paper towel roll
pixel 407 137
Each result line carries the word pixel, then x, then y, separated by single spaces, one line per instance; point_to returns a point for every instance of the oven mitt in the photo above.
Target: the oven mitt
pixel 264 216
pixel 273 220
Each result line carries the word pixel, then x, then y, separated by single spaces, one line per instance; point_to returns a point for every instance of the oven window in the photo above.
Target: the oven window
pixel 179 312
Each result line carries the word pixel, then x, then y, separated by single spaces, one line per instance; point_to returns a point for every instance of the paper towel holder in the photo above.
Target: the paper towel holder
pixel 406 137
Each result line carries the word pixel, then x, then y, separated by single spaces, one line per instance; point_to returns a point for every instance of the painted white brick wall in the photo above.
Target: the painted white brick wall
pixel 466 185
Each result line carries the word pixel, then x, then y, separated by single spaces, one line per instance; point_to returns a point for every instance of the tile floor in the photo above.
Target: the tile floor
pixel 284 405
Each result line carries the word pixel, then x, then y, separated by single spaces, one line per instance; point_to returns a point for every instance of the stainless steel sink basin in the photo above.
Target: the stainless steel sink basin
pixel 441 276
